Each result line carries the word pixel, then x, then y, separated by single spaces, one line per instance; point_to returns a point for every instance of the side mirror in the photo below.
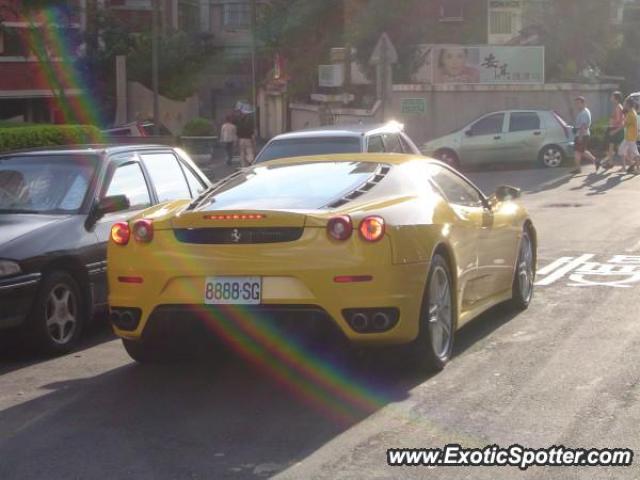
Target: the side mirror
pixel 505 193
pixel 115 203
pixel 469 133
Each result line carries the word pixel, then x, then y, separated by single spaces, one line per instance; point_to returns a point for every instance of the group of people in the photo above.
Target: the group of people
pixel 239 130
pixel 621 135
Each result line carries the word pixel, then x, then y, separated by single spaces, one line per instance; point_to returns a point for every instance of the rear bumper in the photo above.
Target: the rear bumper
pixel 310 294
pixel 17 295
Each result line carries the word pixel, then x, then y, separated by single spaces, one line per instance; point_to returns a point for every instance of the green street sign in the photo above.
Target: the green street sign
pixel 413 106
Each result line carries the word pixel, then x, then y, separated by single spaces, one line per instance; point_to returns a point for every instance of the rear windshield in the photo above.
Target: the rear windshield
pixel 299 147
pixel 299 186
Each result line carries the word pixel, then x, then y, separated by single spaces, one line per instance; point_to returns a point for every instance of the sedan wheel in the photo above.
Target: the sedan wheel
pixel 61 313
pixel 448 157
pixel 58 315
pixel 434 345
pixel 551 157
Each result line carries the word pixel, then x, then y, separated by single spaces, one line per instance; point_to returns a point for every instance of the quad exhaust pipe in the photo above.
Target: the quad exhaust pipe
pixel 371 320
pixel 125 319
pixel 359 322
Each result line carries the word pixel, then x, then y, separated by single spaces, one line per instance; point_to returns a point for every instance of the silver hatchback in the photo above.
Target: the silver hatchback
pixel 507 136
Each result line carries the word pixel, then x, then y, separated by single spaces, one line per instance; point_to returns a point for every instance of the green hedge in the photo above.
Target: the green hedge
pixel 198 127
pixel 47 135
pixel 598 131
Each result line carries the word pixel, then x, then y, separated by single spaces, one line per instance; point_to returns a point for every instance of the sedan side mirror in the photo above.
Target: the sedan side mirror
pixel 114 203
pixel 506 193
pixel 469 133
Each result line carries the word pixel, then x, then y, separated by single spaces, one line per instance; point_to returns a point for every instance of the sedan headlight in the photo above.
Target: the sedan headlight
pixel 7 268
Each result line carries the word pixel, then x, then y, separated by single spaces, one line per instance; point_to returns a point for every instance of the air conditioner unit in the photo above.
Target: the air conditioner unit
pixel 330 75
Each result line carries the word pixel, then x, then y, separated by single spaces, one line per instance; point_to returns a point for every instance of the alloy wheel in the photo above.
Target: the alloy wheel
pixel 552 157
pixel 525 268
pixel 61 314
pixel 440 313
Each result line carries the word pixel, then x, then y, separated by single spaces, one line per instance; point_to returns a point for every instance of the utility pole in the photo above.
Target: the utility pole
pixel 253 68
pixel 154 67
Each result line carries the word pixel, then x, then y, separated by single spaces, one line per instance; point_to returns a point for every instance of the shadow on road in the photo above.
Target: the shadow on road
pixel 14 354
pixel 218 417
pixel 482 326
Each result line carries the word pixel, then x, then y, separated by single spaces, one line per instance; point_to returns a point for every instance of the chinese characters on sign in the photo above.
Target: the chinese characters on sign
pixel 484 64
pixel 619 271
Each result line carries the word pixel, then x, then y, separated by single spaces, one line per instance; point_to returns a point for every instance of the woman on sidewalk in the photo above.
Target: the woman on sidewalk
pixel 615 132
pixel 629 148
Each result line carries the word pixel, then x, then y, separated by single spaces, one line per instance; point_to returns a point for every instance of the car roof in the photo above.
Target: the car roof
pixel 344 130
pixel 517 110
pixel 390 158
pixel 93 149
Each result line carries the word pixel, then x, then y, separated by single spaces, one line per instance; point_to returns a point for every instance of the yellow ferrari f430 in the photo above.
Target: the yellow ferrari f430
pixel 387 249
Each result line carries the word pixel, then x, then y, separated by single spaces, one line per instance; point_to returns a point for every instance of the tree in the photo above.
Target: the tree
pixel 182 58
pixel 303 32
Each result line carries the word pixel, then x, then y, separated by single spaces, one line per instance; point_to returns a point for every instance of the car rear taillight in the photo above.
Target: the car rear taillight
pixel 340 228
pixel 120 233
pixel 372 228
pixel 143 230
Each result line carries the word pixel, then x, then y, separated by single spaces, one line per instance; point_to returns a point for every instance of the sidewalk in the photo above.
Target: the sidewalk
pixel 215 168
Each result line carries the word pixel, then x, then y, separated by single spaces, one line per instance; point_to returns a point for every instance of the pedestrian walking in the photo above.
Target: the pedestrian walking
pixel 228 137
pixel 583 134
pixel 246 140
pixel 615 131
pixel 629 148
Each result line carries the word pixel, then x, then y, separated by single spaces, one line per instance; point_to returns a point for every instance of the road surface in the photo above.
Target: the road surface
pixel 565 372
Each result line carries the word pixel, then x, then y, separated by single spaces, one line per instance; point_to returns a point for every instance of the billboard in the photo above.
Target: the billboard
pixel 479 64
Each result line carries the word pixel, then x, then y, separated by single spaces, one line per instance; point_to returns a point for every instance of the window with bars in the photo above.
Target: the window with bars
pixel 237 15
pixel 501 23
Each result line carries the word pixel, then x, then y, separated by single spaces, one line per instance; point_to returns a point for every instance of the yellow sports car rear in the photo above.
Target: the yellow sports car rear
pixel 389 249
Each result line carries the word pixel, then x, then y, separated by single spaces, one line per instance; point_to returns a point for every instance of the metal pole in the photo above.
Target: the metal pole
pixel 253 68
pixel 154 66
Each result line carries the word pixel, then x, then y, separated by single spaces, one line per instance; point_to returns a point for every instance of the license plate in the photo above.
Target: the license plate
pixel 232 290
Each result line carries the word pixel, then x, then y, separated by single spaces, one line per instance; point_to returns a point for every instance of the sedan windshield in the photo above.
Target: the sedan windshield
pixel 45 183
pixel 298 186
pixel 299 147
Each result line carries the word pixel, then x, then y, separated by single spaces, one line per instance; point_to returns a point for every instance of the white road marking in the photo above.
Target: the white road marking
pixel 563 270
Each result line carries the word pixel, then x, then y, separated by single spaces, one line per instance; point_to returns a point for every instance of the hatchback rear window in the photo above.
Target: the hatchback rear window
pixel 298 186
pixel 299 147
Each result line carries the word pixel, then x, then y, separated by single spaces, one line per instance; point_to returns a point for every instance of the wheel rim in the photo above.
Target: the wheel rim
pixel 61 314
pixel 440 315
pixel 525 269
pixel 552 157
pixel 447 158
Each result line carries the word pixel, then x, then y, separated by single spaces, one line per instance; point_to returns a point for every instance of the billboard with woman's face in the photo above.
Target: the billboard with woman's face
pixel 485 64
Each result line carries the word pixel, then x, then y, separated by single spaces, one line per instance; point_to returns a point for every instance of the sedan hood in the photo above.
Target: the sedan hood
pixel 15 226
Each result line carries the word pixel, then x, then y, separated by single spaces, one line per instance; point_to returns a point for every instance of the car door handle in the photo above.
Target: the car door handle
pixel 497 137
pixel 537 133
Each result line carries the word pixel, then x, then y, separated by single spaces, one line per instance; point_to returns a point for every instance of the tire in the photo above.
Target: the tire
pixel 524 274
pixel 144 351
pixel 449 157
pixel 433 347
pixel 58 316
pixel 551 156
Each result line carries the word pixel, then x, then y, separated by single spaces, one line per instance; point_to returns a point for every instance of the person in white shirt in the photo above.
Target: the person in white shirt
pixel 228 137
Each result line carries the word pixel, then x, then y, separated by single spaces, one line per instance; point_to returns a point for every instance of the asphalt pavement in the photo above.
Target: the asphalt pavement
pixel 565 372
